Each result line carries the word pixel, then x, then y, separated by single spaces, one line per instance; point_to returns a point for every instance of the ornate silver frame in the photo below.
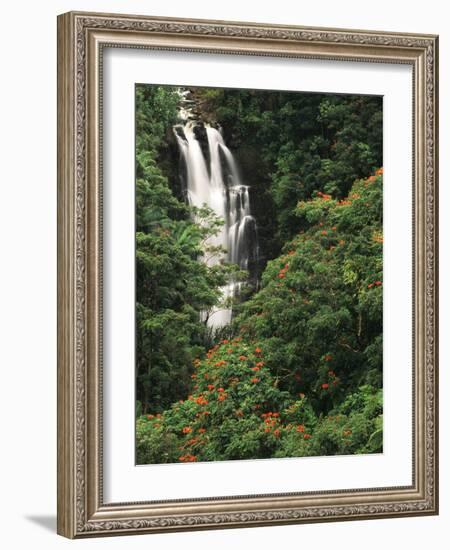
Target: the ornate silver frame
pixel 81 37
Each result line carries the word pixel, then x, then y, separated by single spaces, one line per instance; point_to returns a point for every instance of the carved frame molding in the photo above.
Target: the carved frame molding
pixel 81 38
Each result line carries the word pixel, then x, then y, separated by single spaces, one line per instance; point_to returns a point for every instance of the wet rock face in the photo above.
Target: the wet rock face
pixel 200 131
pixel 202 137
pixel 179 130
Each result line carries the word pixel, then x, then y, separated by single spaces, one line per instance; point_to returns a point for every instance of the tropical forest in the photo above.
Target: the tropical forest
pixel 259 274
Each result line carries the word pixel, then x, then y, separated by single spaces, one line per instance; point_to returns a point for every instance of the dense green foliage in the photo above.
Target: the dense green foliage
pixel 172 286
pixel 299 372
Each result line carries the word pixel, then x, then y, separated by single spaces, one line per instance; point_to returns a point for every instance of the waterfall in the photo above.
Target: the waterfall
pixel 216 183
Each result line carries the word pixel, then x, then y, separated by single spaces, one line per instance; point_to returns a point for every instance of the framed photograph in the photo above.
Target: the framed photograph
pixel 247 276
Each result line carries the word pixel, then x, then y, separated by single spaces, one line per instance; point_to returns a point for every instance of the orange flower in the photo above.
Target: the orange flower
pixel 187 430
pixel 220 390
pixel 276 433
pixel 210 386
pixel 201 430
pixel 300 428
pixel 258 350
pixel 281 275
pixel 260 364
pixel 323 195
pixel 254 380
pixel 187 458
pixel 150 416
pixel 378 238
pixel 225 341
pixel 201 401
pixel 255 369
pixel 242 358
pixel 222 397
pixel 324 232
pixel 307 436
pixel 328 357
pixel 325 386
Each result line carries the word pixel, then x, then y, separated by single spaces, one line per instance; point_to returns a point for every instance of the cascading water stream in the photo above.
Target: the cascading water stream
pixel 220 188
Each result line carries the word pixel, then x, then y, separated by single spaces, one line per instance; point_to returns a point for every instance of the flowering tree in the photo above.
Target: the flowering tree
pixel 320 309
